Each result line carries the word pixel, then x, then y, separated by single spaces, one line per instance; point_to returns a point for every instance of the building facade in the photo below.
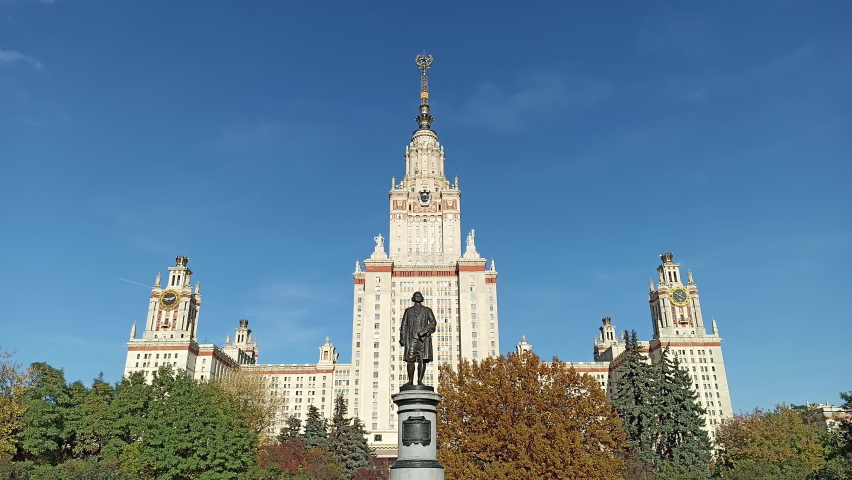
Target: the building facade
pixel 422 252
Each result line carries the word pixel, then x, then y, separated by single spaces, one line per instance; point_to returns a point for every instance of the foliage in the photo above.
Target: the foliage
pixel 253 397
pixel 776 444
pixel 90 469
pixel 680 437
pixel 14 383
pixel 291 430
pixel 10 470
pixel 173 427
pixel 347 440
pixel 635 400
pixel 837 448
pixel 195 431
pixel 515 417
pixel 316 428
pixel 293 456
pixel 679 471
pixel 662 416
pixel 379 469
pixel 45 436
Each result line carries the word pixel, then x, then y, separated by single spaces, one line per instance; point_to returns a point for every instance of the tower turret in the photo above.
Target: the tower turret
pixel 425 208
pixel 173 309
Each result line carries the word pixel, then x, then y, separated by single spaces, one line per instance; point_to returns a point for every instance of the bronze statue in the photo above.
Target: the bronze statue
pixel 415 334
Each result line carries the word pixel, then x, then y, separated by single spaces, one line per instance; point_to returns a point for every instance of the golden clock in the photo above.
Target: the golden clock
pixel 169 300
pixel 680 296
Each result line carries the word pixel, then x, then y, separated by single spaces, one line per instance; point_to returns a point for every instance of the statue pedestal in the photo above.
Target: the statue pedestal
pixel 418 452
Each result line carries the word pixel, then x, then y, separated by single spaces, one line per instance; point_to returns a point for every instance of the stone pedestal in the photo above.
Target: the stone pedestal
pixel 418 452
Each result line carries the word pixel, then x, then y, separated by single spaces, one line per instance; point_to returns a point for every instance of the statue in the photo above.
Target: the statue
pixel 380 241
pixel 471 238
pixel 418 325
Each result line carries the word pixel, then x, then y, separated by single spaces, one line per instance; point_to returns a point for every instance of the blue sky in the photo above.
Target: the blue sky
pixel 259 139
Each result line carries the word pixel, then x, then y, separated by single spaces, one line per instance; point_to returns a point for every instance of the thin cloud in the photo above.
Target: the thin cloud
pixel 30 122
pixel 510 108
pixel 10 57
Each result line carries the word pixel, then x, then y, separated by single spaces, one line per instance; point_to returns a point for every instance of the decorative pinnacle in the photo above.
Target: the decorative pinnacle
pixel 424 61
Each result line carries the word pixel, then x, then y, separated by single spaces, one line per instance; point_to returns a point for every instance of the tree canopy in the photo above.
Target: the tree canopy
pixel 775 444
pixel 14 383
pixel 515 417
pixel 662 417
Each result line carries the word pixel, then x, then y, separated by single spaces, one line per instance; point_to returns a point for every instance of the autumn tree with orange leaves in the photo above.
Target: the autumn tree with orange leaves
pixel 517 418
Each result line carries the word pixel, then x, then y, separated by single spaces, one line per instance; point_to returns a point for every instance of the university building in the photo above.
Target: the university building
pixel 423 252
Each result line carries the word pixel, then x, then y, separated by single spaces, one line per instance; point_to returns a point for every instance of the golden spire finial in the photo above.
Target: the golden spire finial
pixel 424 61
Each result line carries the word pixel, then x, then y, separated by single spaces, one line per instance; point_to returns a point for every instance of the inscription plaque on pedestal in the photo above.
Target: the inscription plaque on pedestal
pixel 416 430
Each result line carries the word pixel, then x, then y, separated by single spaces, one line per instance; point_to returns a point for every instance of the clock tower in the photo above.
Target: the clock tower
pixel 675 307
pixel 679 327
pixel 173 308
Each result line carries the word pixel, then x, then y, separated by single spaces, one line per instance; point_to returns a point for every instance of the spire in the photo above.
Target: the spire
pixel 133 331
pixel 424 61
pixel 157 283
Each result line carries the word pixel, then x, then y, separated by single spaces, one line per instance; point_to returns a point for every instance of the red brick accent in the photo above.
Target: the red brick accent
pixel 472 268
pixel 360 281
pixel 180 348
pixel 288 372
pixel 490 279
pixel 373 268
pixel 426 273
pixel 685 344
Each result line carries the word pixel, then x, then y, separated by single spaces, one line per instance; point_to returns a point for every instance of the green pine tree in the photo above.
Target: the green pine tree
pixel 635 400
pixel 290 430
pixel 680 438
pixel 348 440
pixel 316 428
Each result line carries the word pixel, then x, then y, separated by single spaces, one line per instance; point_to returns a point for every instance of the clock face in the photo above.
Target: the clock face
pixel 680 296
pixel 169 300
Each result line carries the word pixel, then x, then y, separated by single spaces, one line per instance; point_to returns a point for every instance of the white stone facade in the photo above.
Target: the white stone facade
pixel 677 324
pixel 423 253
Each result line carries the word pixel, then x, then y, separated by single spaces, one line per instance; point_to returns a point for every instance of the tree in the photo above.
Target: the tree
pixel 195 431
pixel 316 428
pixel 776 444
pixel 14 383
pixel 837 448
pixel 91 425
pixel 251 392
pixel 348 440
pixel 291 430
pixel 294 457
pixel 516 417
pixel 90 469
pixel 681 439
pixel 635 400
pixel 128 416
pixel 44 435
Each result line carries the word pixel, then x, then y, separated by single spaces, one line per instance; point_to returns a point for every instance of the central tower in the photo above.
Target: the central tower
pixel 425 208
pixel 425 254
